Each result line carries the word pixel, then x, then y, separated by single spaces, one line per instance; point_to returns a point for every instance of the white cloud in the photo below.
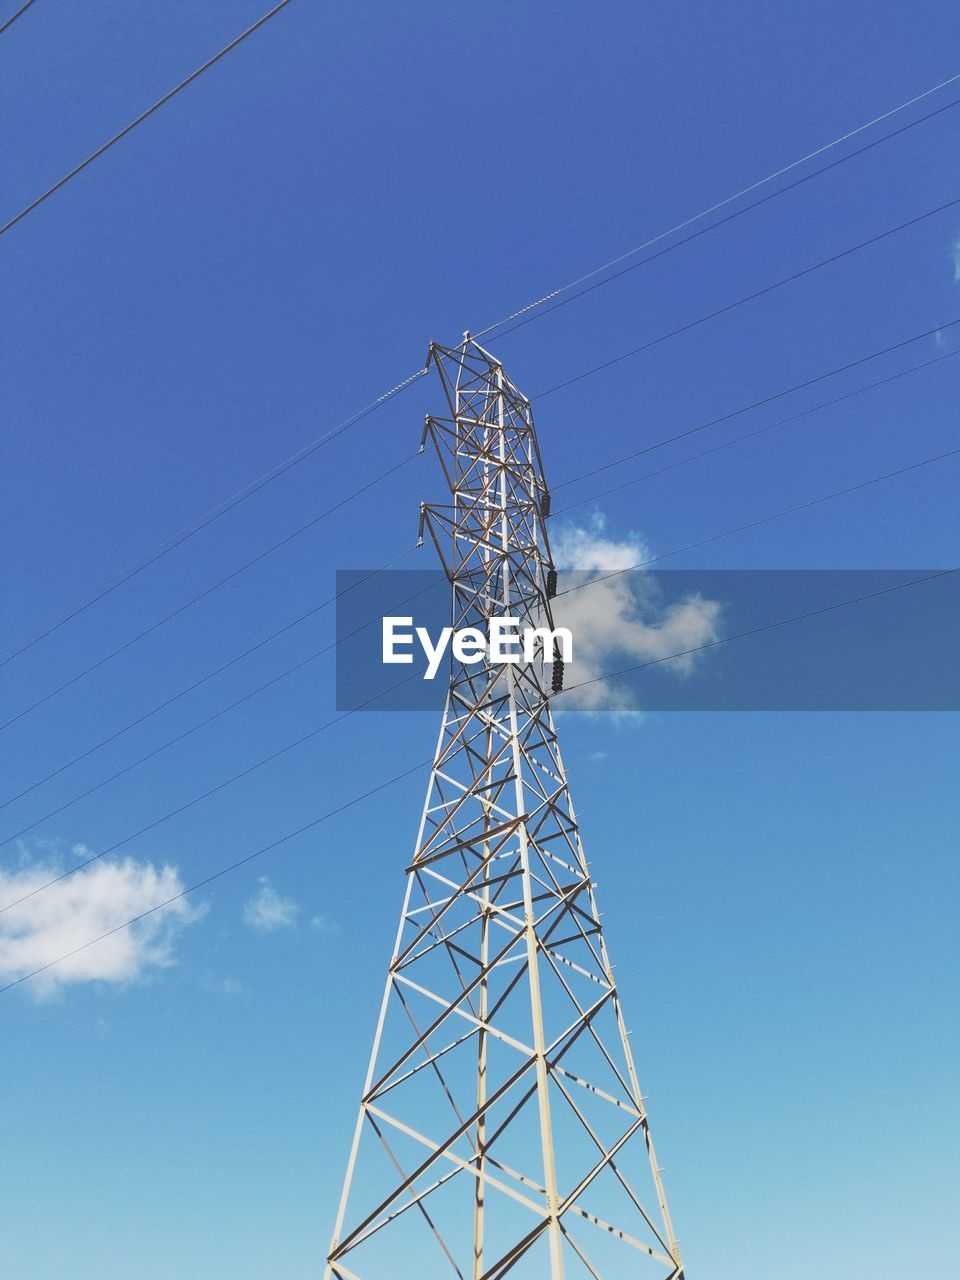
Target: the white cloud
pixel 324 925
pixel 621 620
pixel 82 907
pixel 955 258
pixel 268 910
pixel 221 986
pixel 576 547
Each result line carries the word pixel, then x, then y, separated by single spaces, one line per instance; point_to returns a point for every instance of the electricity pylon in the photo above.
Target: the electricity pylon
pixel 501 1128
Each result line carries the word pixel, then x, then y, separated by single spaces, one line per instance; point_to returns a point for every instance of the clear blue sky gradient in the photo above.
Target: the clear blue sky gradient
pixel 256 262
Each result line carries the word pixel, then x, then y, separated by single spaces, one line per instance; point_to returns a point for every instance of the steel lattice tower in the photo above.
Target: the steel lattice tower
pixel 501 1129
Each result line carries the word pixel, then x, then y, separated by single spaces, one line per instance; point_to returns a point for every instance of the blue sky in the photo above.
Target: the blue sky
pixel 256 262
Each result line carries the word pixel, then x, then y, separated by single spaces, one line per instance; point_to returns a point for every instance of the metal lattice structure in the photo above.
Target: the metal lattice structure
pixel 502 1129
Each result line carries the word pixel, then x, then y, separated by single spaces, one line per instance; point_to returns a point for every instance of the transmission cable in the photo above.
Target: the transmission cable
pixel 407 382
pixel 288 626
pixel 672 466
pixel 143 115
pixel 205 795
pixel 398 604
pixel 240 862
pixel 14 16
pixel 758 404
pixel 730 217
pixel 758 431
pixel 208 591
pixel 705 213
pixel 768 626
pixel 750 297
pixel 216 875
pixel 216 512
pixel 762 520
pixel 570 506
pixel 202 724
pixel 603 467
pixel 560 386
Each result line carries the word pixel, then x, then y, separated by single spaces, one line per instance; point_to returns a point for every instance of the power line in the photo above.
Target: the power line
pixel 749 435
pixel 750 297
pixel 312 448
pixel 217 512
pixel 288 626
pixel 208 591
pixel 216 875
pixel 14 16
pixel 778 515
pixel 730 217
pixel 635 480
pixel 143 116
pixel 705 213
pixel 672 466
pixel 561 511
pixel 570 506
pixel 768 626
pixel 736 440
pixel 768 519
pixel 205 795
pixel 758 404
pixel 202 724
pixel 316 445
pixel 266 479
pixel 240 862
pixel 171 742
